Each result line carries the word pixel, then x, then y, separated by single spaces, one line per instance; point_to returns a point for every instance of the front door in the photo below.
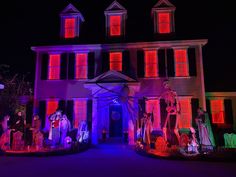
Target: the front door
pixel 115 114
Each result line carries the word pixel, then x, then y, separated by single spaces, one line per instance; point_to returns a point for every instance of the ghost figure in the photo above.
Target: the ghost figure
pixel 54 133
pixel 173 108
pixel 64 128
pixel 5 137
pixel 83 133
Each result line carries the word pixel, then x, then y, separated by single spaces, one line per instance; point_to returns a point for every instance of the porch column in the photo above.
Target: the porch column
pixel 94 123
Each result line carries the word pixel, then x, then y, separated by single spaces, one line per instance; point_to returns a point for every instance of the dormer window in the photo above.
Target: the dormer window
pixel 163 16
pixel 115 25
pixel 71 20
pixel 116 16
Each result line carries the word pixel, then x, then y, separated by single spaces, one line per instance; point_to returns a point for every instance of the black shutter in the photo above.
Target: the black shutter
pixel 126 63
pixel 62 106
pixel 70 111
pixel 63 69
pixel 161 63
pixel 44 66
pixel 228 111
pixel 140 63
pixel 195 106
pixel 71 66
pixel 141 110
pixel 91 65
pixel 89 113
pixel 42 112
pixel 163 111
pixel 170 63
pixel 105 62
pixel 192 62
pixel 29 112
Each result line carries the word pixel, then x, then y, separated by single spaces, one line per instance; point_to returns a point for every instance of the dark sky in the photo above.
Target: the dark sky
pixel 28 23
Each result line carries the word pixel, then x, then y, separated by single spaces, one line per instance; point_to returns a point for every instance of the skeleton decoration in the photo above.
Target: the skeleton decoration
pixel 173 108
pixel 83 133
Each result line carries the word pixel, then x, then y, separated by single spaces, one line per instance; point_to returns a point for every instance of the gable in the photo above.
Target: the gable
pixel 163 4
pixel 115 6
pixel 111 76
pixel 70 9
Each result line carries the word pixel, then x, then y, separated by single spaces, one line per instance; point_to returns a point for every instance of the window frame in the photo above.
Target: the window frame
pixel 151 64
pixel 120 63
pixel 85 66
pixel 222 112
pixel 50 76
pixel 186 63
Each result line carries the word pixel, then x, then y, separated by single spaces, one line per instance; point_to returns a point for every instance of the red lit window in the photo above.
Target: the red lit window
pixel 51 107
pixel 151 63
pixel 217 111
pixel 69 27
pixel 186 113
pixel 116 61
pixel 54 67
pixel 181 63
pixel 115 25
pixel 80 112
pixel 81 66
pixel 152 107
pixel 164 22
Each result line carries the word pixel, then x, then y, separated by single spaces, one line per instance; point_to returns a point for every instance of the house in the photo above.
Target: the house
pixel 111 76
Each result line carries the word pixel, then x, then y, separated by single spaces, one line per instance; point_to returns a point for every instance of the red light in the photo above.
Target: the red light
pixel 116 61
pixel 81 66
pixel 164 22
pixel 152 107
pixel 80 112
pixel 115 25
pixel 151 64
pixel 51 107
pixel 54 67
pixel 69 27
pixel 181 65
pixel 186 113
pixel 217 111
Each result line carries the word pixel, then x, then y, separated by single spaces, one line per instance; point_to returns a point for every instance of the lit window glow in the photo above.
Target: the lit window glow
pixel 152 106
pixel 51 107
pixel 115 61
pixel 186 113
pixel 151 63
pixel 164 22
pixel 80 112
pixel 54 66
pixel 69 27
pixel 81 66
pixel 181 63
pixel 115 25
pixel 217 111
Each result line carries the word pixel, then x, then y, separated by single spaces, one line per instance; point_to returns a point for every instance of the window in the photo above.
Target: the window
pixel 51 107
pixel 185 118
pixel 81 66
pixel 54 66
pixel 69 27
pixel 164 25
pixel 152 106
pixel 151 64
pixel 115 25
pixel 217 111
pixel 115 61
pixel 80 112
pixel 181 63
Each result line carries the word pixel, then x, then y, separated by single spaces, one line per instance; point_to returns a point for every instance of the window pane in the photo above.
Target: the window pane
pixel 69 27
pixel 80 112
pixel 152 107
pixel 54 67
pixel 164 22
pixel 186 113
pixel 81 66
pixel 181 62
pixel 115 25
pixel 217 111
pixel 151 63
pixel 115 61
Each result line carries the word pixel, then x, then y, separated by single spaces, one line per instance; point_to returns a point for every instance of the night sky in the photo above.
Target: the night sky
pixel 28 23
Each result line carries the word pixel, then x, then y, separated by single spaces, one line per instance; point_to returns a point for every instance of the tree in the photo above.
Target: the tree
pixel 16 86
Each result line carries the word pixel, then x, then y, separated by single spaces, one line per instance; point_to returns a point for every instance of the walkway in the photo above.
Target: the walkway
pixel 110 160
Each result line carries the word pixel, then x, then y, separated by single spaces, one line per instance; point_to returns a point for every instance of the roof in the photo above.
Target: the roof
pixel 139 23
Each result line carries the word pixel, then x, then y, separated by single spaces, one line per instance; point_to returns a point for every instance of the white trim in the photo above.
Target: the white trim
pixel 220 94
